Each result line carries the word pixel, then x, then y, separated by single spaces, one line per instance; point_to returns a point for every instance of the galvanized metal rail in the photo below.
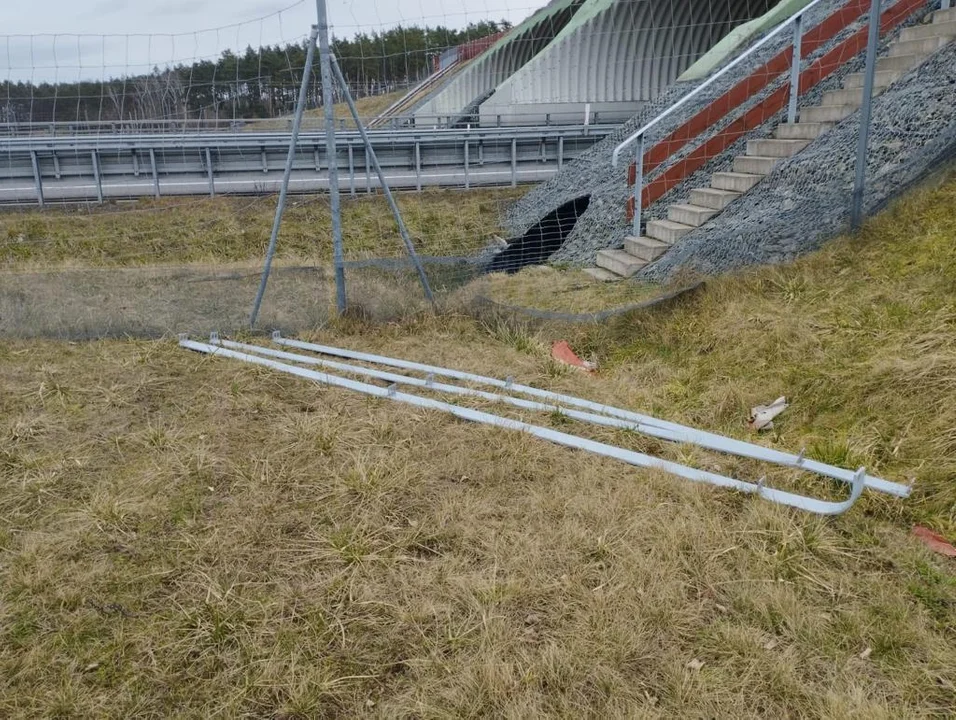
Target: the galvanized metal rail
pixel 645 424
pixel 37 170
pixel 813 505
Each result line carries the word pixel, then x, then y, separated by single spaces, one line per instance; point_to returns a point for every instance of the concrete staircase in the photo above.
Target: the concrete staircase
pixel 912 47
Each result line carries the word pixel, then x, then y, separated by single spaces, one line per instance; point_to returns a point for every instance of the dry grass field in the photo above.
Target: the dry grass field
pixel 193 537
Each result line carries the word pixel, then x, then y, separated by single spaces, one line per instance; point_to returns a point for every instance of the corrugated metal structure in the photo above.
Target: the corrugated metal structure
pixel 473 85
pixel 603 57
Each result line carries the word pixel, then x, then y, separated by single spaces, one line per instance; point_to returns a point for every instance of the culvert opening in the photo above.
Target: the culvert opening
pixel 542 240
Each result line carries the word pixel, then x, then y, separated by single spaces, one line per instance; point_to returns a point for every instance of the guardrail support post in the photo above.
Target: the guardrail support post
pixel 36 177
pixel 155 171
pixel 638 185
pixel 795 69
pixel 351 170
pixel 96 176
pixel 212 179
pixel 514 163
pixel 418 166
pixel 561 152
pixel 467 159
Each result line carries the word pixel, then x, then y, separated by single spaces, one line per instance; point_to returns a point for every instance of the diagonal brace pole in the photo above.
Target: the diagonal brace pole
pixel 284 193
pixel 409 245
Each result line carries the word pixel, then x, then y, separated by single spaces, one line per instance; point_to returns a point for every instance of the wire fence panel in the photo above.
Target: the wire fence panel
pixel 138 170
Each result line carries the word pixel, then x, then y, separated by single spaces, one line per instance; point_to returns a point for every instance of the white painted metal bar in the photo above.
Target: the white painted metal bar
pixel 820 507
pixel 680 433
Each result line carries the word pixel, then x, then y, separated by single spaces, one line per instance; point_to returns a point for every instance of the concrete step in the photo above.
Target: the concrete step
pixel 775 148
pixel 713 198
pixel 881 79
pixel 853 96
pixel 692 215
pixel 826 113
pixel 801 130
pixel 734 181
pixel 645 248
pixel 755 165
pixel 601 275
pixel 945 16
pixel 935 29
pixel 667 231
pixel 926 46
pixel 900 63
pixel 619 262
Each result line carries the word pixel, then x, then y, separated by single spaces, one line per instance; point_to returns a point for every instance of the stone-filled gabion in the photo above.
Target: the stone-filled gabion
pixel 803 203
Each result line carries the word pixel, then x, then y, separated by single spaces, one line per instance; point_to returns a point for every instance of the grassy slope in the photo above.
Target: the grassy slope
pixel 227 229
pixel 368 108
pixel 179 535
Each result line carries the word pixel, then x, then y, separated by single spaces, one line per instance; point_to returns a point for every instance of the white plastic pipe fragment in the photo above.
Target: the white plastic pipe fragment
pixel 645 424
pixel 820 507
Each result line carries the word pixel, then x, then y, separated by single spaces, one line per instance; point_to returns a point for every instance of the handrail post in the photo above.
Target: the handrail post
pixel 638 185
pixel 795 69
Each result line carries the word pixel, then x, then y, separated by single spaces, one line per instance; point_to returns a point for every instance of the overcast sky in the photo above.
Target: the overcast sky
pixel 48 40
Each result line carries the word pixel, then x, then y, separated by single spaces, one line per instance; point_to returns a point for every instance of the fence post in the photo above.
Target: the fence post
pixel 386 191
pixel 795 69
pixel 334 200
pixel 866 111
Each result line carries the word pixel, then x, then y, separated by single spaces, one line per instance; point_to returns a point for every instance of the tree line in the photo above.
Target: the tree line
pixel 258 83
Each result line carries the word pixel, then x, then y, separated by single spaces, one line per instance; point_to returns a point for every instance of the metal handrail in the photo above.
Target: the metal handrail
pixel 796 20
pixel 712 79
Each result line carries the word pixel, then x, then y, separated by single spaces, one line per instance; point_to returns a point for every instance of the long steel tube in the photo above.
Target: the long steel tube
pixel 680 433
pixel 813 505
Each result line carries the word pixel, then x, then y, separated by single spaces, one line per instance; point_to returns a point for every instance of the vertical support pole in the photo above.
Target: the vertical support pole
pixel 866 111
pixel 418 166
pixel 36 178
pixel 795 69
pixel 351 170
pixel 135 163
pixel 212 179
pixel 467 158
pixel 155 171
pixel 638 186
pixel 368 171
pixel 286 176
pixel 56 166
pixel 514 162
pixel 265 161
pixel 560 152
pixel 386 190
pixel 325 63
pixel 944 5
pixel 96 176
